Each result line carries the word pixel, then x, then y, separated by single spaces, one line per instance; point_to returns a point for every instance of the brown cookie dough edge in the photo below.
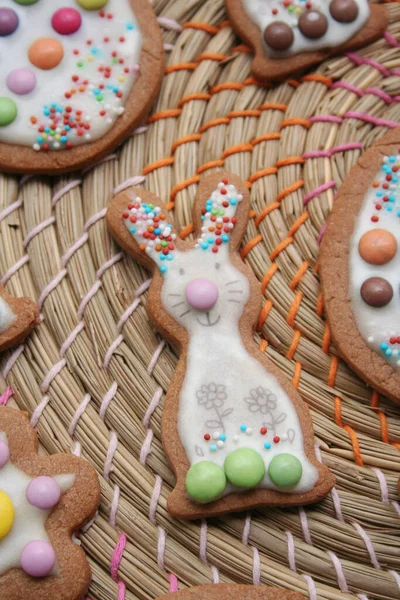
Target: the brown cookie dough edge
pixel 22 159
pixel 334 269
pixel 179 504
pixel 227 591
pixel 27 317
pixel 77 506
pixel 270 69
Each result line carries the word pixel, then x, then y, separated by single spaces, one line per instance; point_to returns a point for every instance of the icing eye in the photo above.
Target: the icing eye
pixel 181 271
pixel 217 265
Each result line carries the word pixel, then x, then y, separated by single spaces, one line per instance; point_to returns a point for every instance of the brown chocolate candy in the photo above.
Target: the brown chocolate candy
pixel 278 36
pixel 313 24
pixel 344 11
pixel 376 292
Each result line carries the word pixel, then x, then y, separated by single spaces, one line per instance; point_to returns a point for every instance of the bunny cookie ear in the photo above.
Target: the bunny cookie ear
pixel 140 225
pixel 221 212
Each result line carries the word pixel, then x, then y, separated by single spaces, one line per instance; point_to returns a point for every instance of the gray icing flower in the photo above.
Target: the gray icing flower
pixel 211 396
pixel 261 400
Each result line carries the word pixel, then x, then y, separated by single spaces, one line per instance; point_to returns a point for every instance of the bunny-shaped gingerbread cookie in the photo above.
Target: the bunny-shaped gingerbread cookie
pixel 235 431
pixel 18 316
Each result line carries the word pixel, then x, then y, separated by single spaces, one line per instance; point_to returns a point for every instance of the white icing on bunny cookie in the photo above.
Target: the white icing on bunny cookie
pixel 25 504
pixel 289 27
pixel 69 70
pixel 7 316
pixel 238 427
pixel 374 275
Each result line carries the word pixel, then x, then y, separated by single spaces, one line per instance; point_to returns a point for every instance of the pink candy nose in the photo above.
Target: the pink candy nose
pixel 201 294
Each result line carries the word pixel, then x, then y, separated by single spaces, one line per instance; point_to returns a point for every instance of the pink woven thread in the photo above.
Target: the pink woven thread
pixel 54 371
pixel 115 565
pixel 312 590
pixel 391 40
pixel 37 413
pixel 396 577
pixel 396 506
pixel 71 251
pixel 334 493
pixel 170 24
pixel 368 544
pixel 321 233
pixel 146 447
pixel 326 119
pixel 10 209
pixel 246 529
pixel 12 360
pixel 95 218
pixel 76 451
pixel 109 263
pixel 12 270
pixel 38 229
pixel 128 313
pixel 203 550
pixel 291 551
pixel 141 129
pixel 79 412
pixel 382 95
pixel 143 288
pixel 108 356
pixel 152 406
pixel 334 150
pixel 112 448
pixel 114 506
pixel 4 398
pixel 349 87
pixel 256 566
pixel 64 190
pixel 86 299
pixel 168 47
pixel 304 525
pixel 363 60
pixel 99 163
pixel 369 119
pixel 107 399
pixel 339 572
pixel 161 544
pixel 383 485
pixel 173 583
pixel 154 499
pixel 71 338
pixel 131 182
pixel 362 597
pixel 318 190
pixel 50 287
pixel 155 357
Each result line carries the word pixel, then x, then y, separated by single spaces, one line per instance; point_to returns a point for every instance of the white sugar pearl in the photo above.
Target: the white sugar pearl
pixel 370 339
pixel 220 444
pixel 216 435
pixel 36 147
pixel 284 438
pixel 249 431
pixel 235 438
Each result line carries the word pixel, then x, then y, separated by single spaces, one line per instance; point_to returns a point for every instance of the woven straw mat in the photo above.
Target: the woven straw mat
pixel 93 375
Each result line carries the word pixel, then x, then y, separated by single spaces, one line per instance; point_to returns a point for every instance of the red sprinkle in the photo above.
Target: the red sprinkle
pixel 263 430
pixel 276 439
pixel 207 437
pixel 374 219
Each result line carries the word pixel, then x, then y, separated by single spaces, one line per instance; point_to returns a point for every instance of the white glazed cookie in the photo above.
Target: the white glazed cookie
pixel 74 66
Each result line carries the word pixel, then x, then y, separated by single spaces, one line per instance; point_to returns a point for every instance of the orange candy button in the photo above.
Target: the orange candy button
pixel 377 247
pixel 46 53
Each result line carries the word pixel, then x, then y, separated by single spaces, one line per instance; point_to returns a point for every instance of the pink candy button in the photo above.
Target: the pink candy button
pixel 21 81
pixel 4 453
pixel 201 293
pixel 43 492
pixel 66 21
pixel 38 559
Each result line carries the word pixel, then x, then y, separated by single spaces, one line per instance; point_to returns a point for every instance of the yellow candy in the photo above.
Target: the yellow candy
pixel 92 4
pixel 6 515
pixel 90 58
pixel 121 78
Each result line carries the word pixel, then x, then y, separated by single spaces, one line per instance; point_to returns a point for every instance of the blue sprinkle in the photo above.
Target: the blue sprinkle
pixel 379 194
pixel 204 245
pixel 267 445
pixel 39 139
pixel 222 437
pixel 67 128
pixel 96 92
pixel 132 230
pixel 170 257
pixel 210 240
pixel 64 139
pixel 47 129
pixel 225 237
pixel 395 179
pixel 233 201
pixel 203 217
pixel 130 26
pixel 388 352
pixel 162 257
pixel 392 159
pixel 157 231
pixel 392 199
pixel 53 105
pixel 163 269
pixel 115 89
pixel 243 427
pixel 389 208
pixel 94 51
pixel 213 448
pixel 384 346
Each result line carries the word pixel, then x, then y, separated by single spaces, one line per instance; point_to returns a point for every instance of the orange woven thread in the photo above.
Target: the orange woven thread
pixel 263 173
pixel 253 81
pixel 294 309
pixel 291 160
pixel 250 245
pixel 224 24
pixel 268 137
pixel 194 137
pixel 241 48
pixel 297 224
pixel 294 344
pixel 296 121
pixel 281 246
pixel 214 123
pixel 180 67
pixel 182 186
pixel 320 305
pixel 212 164
pixel 382 417
pixel 191 97
pixel 320 78
pixel 290 189
pixel 274 106
pixel 163 162
pixel 297 375
pixel 201 26
pixel 352 434
pixel 298 276
pixel 263 345
pixel 326 339
pixel 252 214
pixel 333 371
pixel 232 85
pixel 236 149
pixel 293 82
pixel 266 212
pixel 268 276
pixel 211 56
pixel 264 314
pixel 186 231
pixel 243 113
pixel 164 114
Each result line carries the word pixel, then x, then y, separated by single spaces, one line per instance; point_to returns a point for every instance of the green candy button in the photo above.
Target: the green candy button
pixel 285 470
pixel 244 468
pixel 26 2
pixel 92 4
pixel 205 482
pixel 8 111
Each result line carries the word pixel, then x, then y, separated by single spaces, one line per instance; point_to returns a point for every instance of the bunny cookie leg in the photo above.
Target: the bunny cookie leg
pixel 18 316
pixel 236 432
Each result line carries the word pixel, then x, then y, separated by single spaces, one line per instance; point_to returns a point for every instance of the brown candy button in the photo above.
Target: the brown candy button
pixel 313 24
pixel 376 292
pixel 279 36
pixel 377 247
pixel 344 11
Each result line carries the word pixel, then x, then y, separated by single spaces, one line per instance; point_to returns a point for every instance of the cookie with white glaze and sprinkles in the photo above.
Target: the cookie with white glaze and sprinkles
pixel 235 430
pixel 226 591
pixel 44 500
pixel 18 316
pixel 360 267
pixel 289 36
pixel 79 77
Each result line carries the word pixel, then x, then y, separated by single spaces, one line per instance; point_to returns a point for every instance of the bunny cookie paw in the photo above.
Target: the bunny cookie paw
pixel 289 36
pixel 235 430
pixel 359 267
pixel 18 316
pixel 43 501
pixel 226 591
